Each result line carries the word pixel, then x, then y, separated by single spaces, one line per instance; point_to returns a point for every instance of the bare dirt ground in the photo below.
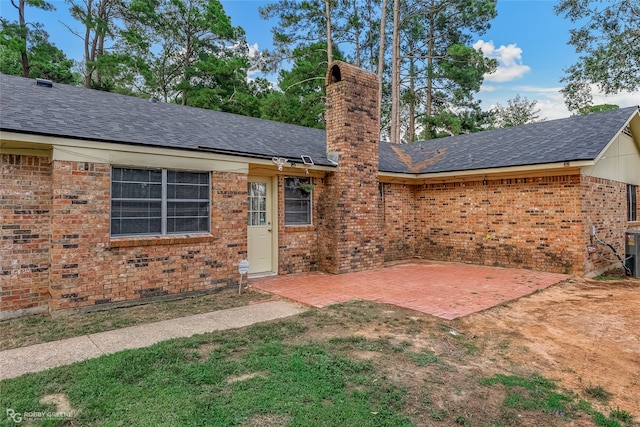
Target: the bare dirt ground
pixel 581 334
pixel 584 333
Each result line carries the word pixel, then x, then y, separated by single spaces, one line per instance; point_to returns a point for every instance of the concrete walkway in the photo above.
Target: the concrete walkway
pixel 40 357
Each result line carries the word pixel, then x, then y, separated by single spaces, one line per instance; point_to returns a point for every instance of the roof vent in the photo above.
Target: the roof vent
pixel 153 100
pixel 44 83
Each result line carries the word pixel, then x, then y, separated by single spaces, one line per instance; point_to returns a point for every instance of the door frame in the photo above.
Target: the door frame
pixel 275 223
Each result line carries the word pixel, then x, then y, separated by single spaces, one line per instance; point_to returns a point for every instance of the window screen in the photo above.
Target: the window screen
pixel 158 202
pixel 297 201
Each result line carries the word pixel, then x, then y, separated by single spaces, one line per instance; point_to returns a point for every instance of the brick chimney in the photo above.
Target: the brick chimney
pixel 350 228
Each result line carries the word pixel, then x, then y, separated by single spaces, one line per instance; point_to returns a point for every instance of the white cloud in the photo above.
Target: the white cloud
pixel 253 50
pixel 487 88
pixel 624 99
pixel 550 100
pixel 510 66
pixel 537 89
pixel 552 107
pixel 255 59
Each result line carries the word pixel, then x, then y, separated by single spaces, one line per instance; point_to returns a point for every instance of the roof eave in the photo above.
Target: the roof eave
pixel 537 169
pixel 13 138
pixel 634 123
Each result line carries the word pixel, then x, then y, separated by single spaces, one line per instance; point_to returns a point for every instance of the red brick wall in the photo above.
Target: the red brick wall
pixel 25 204
pixel 400 233
pixel 604 204
pixel 79 233
pixel 539 223
pixel 526 222
pixel 349 217
pixel 55 232
pixel 327 226
pixel 89 268
pixel 298 245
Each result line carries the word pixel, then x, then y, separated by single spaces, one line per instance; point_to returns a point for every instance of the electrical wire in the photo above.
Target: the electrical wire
pixel 612 260
pixel 622 261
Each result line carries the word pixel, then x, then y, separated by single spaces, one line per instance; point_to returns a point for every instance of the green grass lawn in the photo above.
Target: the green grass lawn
pixel 217 380
pixel 30 330
pixel 355 364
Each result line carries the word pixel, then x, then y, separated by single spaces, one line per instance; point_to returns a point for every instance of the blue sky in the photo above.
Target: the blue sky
pixel 527 38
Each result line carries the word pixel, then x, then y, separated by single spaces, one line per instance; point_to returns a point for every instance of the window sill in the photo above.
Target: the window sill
pixel 296 228
pixel 128 242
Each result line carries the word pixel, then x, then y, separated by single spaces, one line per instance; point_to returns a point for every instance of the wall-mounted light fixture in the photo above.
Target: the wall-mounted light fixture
pixel 279 161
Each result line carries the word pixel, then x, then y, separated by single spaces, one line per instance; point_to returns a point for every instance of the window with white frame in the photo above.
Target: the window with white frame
pixel 159 202
pixel 297 200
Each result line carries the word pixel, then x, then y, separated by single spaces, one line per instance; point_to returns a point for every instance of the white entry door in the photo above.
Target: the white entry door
pixel 260 225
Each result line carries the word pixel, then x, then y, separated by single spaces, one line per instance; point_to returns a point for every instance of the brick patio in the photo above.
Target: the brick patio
pixel 446 290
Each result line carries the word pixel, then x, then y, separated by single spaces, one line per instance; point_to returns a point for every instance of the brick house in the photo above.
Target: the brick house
pixel 107 200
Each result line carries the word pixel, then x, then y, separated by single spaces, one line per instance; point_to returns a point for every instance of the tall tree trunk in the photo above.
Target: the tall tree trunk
pixel 383 21
pixel 95 16
pixel 371 50
pixel 430 55
pixel 101 33
pixel 187 64
pixel 327 12
pixel 411 131
pixel 357 33
pixel 395 75
pixel 24 58
pixel 88 48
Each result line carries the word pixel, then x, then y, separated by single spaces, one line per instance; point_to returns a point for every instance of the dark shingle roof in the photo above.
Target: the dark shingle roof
pixel 73 112
pixel 553 141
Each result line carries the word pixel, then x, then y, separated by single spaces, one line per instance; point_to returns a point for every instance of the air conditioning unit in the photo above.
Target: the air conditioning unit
pixel 632 251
